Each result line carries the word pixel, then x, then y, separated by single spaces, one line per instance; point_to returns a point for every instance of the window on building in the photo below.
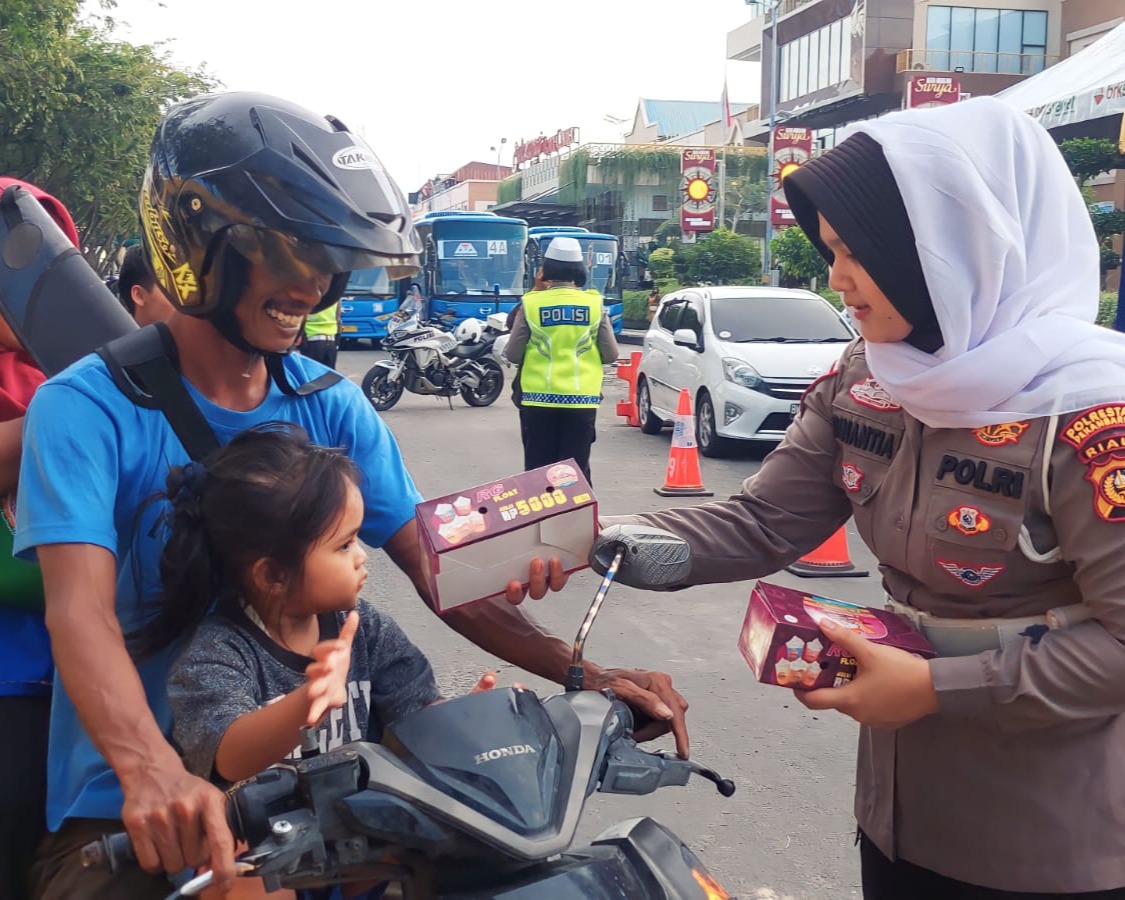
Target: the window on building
pixel 1012 41
pixel 815 61
pixel 660 203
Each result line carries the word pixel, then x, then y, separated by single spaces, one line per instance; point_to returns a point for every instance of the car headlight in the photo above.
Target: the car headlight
pixel 742 373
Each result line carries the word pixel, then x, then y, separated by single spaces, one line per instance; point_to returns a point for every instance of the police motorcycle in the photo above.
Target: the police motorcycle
pixel 427 359
pixel 479 796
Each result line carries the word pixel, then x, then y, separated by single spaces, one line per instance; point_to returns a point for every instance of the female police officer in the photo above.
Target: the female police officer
pixel 977 435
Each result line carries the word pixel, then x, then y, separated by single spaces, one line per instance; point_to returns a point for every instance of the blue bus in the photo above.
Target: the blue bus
pixel 472 263
pixel 367 303
pixel 605 263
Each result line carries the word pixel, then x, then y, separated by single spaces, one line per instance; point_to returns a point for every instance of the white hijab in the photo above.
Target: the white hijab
pixel 1011 262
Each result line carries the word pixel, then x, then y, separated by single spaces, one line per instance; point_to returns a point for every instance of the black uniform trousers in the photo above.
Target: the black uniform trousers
pixel 554 433
pixel 885 879
pixel 23 790
pixel 321 351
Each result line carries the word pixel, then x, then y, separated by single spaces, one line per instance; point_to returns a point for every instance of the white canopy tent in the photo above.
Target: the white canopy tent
pixel 1088 85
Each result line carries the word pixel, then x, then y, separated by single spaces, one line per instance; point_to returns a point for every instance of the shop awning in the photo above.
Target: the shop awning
pixel 1088 85
pixel 539 213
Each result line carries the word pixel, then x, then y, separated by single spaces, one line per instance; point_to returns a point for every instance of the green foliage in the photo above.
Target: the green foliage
pixel 1107 224
pixel 635 305
pixel 666 285
pixel 831 296
pixel 79 111
pixel 625 165
pixel 661 262
pixel 668 232
pixel 1107 309
pixel 797 258
pixel 1089 157
pixel 721 257
pixel 573 172
pixel 511 188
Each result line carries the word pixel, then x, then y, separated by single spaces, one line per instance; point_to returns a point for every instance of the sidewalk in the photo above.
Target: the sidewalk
pixel 631 336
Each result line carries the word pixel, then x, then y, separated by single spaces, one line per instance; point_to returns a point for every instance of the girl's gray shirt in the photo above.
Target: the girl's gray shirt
pixel 232 667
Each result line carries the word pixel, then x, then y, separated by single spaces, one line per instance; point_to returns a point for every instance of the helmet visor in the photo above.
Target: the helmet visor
pixel 292 259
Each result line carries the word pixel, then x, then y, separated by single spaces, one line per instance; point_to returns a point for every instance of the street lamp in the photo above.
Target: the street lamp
pixel 499 149
pixel 772 5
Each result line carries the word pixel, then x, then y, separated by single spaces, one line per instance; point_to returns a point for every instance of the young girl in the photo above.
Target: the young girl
pixel 267 532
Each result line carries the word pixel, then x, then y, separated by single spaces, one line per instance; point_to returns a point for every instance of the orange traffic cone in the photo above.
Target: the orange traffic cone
pixel 683 478
pixel 829 560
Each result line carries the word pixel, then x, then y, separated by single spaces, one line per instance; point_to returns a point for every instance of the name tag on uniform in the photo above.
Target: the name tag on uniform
pixel 564 315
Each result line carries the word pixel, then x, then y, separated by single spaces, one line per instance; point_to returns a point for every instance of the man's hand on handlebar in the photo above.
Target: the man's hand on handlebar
pixel 652 696
pixel 176 821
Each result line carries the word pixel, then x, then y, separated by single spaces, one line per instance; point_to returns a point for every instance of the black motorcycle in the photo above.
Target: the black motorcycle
pixel 480 796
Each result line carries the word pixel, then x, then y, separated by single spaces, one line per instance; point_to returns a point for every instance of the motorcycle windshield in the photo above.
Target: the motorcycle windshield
pixel 497 752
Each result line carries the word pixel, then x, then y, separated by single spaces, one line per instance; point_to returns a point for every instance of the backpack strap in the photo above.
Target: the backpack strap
pixel 275 364
pixel 145 366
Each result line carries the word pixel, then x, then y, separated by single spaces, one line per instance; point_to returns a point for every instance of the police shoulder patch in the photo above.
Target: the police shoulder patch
pixel 1098 437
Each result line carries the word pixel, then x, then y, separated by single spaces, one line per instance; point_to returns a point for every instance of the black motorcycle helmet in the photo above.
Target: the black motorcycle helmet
pixel 280 185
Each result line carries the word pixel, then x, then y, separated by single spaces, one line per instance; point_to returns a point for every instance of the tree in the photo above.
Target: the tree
pixel 79 111
pixel 798 259
pixel 743 197
pixel 668 233
pixel 1087 158
pixel 721 257
pixel 661 262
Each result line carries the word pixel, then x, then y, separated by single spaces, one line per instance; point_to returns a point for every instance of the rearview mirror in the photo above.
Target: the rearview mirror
pixel 685 337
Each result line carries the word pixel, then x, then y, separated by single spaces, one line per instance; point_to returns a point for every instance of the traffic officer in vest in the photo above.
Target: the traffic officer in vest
pixel 561 337
pixel 321 338
pixel 976 433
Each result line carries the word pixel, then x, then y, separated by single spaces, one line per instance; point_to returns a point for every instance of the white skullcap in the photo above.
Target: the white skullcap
pixel 564 249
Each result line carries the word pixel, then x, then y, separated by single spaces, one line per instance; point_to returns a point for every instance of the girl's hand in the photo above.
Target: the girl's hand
pixel 892 688
pixel 327 685
pixel 487 683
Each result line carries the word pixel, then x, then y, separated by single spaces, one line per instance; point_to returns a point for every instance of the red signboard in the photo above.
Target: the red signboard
pixel 697 190
pixel 931 90
pixel 792 148
pixel 544 146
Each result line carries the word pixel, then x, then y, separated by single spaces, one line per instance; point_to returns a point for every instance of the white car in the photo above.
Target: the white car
pixel 746 354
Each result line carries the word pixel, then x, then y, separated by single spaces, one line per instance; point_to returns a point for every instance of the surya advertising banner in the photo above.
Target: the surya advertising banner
pixel 697 190
pixel 792 148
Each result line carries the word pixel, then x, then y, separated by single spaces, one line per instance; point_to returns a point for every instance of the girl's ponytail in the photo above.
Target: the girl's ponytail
pixel 188 568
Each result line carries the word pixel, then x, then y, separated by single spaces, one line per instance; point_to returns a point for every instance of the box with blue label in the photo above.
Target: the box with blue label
pixel 478 540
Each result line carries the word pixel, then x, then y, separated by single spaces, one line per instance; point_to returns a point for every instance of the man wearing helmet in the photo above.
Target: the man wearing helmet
pixel 254 211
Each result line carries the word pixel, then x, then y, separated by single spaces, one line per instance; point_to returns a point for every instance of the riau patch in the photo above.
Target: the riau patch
pixel 872 394
pixel 852 477
pixel 1098 435
pixel 999 435
pixel 969 520
pixel 970 576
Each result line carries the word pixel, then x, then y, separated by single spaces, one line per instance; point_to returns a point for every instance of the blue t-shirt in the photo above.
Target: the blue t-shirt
pixel 91 461
pixel 25 653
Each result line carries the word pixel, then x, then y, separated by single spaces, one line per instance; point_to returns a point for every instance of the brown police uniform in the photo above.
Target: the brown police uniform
pixel 1018 783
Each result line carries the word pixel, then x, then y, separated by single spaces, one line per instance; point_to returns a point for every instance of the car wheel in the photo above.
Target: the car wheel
pixel 706 434
pixel 650 424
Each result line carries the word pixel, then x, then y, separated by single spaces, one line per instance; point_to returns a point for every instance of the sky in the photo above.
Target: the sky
pixel 434 84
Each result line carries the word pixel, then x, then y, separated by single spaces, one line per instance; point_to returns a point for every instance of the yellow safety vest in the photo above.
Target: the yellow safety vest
pixel 323 322
pixel 561 365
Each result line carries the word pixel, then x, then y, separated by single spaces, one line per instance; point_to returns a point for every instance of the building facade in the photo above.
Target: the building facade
pixel 471 188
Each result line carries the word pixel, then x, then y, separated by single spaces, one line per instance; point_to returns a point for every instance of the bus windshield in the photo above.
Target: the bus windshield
pixel 370 281
pixel 474 256
pixel 600 257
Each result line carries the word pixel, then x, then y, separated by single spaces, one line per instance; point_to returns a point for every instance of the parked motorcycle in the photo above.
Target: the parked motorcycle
pixel 480 796
pixel 427 359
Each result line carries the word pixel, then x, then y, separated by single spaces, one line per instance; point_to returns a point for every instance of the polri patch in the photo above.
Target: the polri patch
pixel 969 520
pixel 852 477
pixel 977 474
pixel 971 576
pixel 999 435
pixel 1098 436
pixel 872 394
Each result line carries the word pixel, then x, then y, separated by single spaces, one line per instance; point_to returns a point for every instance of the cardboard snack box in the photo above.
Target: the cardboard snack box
pixel 480 539
pixel 782 642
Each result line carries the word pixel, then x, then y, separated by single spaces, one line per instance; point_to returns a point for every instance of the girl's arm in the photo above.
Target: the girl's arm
pixel 256 740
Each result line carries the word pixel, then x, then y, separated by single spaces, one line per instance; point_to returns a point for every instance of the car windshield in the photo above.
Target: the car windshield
pixel 776 319
pixel 600 257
